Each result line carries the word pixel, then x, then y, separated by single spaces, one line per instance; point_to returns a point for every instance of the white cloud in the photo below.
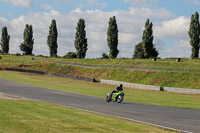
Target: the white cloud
pixel 24 3
pixel 143 12
pixel 130 25
pixel 175 28
pixel 175 34
pixel 142 3
pixel 183 44
pixel 195 2
pixel 96 3
pixel 47 7
pixel 180 48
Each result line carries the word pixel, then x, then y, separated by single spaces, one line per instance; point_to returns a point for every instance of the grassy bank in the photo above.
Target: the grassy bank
pixel 32 116
pixel 100 90
pixel 168 79
pixel 158 78
pixel 185 63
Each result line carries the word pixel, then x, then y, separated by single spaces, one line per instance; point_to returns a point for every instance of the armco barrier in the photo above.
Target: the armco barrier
pixel 131 85
pixel 151 87
pixel 22 70
pixel 53 74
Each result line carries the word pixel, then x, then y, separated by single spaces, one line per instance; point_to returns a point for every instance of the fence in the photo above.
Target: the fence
pixel 131 85
pixel 53 74
pixel 181 90
pixel 151 87
pixel 20 62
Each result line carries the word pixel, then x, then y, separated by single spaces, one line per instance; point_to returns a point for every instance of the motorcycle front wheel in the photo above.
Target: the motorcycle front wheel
pixel 120 98
pixel 108 99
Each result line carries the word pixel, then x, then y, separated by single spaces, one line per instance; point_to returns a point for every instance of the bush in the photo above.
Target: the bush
pixel 40 55
pixel 18 54
pixel 54 56
pixel 105 56
pixel 2 53
pixel 70 55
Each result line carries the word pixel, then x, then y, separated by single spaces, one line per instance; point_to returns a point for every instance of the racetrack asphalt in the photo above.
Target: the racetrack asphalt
pixel 185 120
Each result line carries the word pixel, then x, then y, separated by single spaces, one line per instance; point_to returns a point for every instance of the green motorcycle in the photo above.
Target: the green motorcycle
pixel 117 96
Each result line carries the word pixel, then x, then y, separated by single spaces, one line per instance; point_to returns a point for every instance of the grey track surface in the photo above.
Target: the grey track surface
pixel 187 120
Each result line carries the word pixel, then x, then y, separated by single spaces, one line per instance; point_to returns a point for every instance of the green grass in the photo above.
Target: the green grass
pixel 158 78
pixel 32 117
pixel 100 90
pixel 168 79
pixel 185 63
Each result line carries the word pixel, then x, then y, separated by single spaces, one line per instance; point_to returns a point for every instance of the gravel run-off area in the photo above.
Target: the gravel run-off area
pixel 11 97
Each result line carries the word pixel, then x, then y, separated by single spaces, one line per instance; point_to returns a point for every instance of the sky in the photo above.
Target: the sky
pixel 170 18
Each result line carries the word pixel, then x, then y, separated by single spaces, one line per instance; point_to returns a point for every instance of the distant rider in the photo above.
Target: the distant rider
pixel 119 88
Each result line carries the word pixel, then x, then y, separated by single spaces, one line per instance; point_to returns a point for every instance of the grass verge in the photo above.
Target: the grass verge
pixel 32 116
pixel 96 89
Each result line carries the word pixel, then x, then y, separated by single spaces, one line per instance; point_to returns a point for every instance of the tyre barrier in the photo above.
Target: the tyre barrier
pixel 28 71
pixel 53 74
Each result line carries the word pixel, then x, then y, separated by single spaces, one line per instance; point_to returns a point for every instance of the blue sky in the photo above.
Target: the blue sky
pixel 177 7
pixel 171 20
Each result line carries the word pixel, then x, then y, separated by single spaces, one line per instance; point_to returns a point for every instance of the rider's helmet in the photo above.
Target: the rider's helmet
pixel 121 85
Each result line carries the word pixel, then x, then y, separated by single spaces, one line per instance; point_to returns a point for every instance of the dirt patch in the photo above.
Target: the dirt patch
pixel 11 97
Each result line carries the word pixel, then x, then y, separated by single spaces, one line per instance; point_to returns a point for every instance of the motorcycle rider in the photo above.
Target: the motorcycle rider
pixel 119 88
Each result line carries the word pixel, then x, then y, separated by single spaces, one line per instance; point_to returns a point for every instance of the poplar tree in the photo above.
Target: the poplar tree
pixel 5 38
pixel 194 33
pixel 52 39
pixel 147 41
pixel 80 41
pixel 27 45
pixel 112 37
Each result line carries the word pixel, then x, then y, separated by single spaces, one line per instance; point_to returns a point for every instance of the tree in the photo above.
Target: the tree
pixel 147 41
pixel 27 45
pixel 194 33
pixel 139 51
pixel 52 39
pixel 5 38
pixel 112 38
pixel 80 41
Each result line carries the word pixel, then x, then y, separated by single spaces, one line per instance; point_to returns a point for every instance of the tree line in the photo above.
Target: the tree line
pixel 144 49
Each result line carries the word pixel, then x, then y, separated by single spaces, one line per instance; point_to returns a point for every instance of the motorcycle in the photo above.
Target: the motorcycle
pixel 117 96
